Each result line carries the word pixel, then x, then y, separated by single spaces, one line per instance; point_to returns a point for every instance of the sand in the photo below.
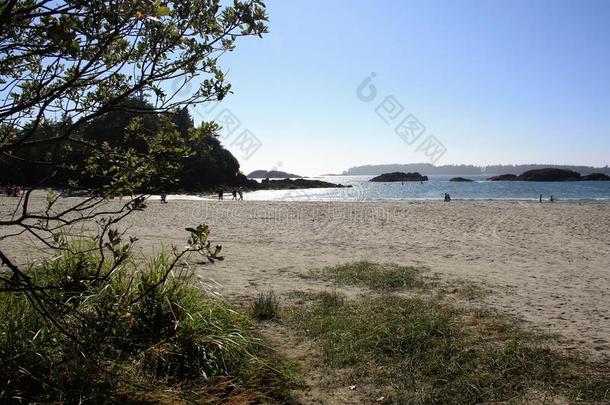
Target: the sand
pixel 548 264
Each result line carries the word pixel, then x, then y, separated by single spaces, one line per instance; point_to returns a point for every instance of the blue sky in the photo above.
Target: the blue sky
pixel 493 82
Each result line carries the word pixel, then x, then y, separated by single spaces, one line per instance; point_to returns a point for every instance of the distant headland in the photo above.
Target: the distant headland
pixel 272 174
pixel 399 176
pixel 465 170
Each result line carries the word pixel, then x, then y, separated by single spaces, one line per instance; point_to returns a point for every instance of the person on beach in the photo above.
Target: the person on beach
pixel 234 192
pixel 13 191
pixel 540 200
pixel 447 197
pixel 552 198
pixel 241 194
pixel 220 194
pixel 163 197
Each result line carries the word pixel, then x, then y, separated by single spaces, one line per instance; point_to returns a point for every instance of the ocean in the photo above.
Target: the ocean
pixel 436 187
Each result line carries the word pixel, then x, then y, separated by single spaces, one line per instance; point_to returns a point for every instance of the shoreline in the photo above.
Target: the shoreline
pixel 352 195
pixel 188 197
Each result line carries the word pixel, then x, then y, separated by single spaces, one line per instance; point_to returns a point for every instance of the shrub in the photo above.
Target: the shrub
pixel 135 326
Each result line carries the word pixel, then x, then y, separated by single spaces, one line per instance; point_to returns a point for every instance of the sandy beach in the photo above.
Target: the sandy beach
pixel 546 263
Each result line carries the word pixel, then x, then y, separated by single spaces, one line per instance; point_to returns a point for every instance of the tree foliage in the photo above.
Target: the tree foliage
pixel 156 151
pixel 81 59
pixel 74 72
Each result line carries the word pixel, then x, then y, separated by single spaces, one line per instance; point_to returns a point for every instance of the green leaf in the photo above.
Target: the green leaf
pixel 162 11
pixel 74 48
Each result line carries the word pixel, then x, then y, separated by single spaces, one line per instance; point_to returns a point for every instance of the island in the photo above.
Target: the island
pixel 399 176
pixel 551 174
pixel 595 177
pixel 272 174
pixel 461 179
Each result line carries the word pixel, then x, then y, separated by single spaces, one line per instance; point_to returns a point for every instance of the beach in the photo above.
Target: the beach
pixel 548 264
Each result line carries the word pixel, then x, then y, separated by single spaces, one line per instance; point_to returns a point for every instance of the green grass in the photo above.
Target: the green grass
pixel 266 307
pixel 174 340
pixel 329 298
pixel 423 350
pixel 381 277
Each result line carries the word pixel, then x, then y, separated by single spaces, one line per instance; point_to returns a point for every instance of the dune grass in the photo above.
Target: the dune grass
pixel 471 292
pixel 423 350
pixel 175 339
pixel 266 307
pixel 380 277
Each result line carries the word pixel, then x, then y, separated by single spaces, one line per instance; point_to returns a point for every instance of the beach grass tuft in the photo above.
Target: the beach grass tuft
pixel 266 307
pixel 381 277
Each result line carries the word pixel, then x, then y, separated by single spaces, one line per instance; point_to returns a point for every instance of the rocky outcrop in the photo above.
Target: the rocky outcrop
pixel 272 174
pixel 504 177
pixel 461 179
pixel 287 184
pixel 241 180
pixel 595 177
pixel 399 176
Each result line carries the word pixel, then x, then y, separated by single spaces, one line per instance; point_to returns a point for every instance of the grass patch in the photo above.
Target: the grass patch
pixel 266 307
pixel 174 342
pixel 471 292
pixel 422 350
pixel 332 298
pixel 382 277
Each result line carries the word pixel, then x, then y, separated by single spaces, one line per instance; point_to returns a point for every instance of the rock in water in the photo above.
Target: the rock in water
pixel 288 184
pixel 551 174
pixel 504 177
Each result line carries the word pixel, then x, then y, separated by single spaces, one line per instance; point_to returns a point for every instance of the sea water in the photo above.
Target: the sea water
pixel 435 188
